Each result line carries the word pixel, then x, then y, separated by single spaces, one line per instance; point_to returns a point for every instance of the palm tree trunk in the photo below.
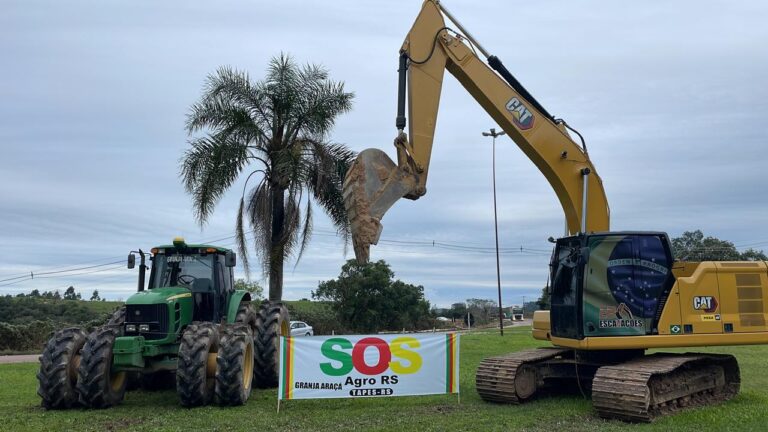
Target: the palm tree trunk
pixel 277 248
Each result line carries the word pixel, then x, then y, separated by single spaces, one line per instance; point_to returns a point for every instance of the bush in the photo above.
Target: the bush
pixel 25 337
pixel 23 310
pixel 367 298
pixel 319 315
pixel 26 323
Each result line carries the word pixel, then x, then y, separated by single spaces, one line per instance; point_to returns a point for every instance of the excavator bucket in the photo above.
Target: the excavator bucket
pixel 373 183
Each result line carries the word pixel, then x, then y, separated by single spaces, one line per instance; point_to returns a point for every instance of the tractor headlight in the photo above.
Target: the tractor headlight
pixel 144 327
pixel 130 328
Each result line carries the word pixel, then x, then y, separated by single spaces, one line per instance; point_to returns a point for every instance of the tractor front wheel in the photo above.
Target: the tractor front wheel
pixel 98 385
pixel 271 323
pixel 58 369
pixel 196 370
pixel 234 365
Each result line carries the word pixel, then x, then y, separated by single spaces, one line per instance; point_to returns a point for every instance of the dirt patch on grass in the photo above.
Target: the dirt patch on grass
pixel 122 424
pixel 443 409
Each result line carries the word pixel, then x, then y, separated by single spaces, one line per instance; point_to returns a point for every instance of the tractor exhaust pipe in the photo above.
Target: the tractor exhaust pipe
pixel 142 270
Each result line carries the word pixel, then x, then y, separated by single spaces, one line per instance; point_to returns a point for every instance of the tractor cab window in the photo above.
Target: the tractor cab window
pixel 224 274
pixel 190 271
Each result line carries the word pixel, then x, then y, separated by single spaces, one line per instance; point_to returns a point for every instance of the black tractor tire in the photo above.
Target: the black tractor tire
pixel 194 385
pixel 97 385
pixel 271 323
pixel 57 376
pixel 234 365
pixel 246 314
pixel 117 320
pixel 162 380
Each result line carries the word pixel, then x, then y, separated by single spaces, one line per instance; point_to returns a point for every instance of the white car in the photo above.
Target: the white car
pixel 300 328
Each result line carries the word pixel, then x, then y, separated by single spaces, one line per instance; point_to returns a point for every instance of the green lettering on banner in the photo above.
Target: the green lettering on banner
pixel 340 356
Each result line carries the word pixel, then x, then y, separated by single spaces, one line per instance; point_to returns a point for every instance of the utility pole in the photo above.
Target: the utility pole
pixel 495 134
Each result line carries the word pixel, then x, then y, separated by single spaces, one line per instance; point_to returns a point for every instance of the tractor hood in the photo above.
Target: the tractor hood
pixel 158 295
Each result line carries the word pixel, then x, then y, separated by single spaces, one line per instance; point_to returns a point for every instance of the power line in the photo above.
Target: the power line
pixel 22 275
pixel 47 275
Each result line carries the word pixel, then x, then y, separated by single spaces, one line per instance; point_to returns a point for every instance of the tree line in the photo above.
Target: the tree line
pixel 69 294
pixel 26 321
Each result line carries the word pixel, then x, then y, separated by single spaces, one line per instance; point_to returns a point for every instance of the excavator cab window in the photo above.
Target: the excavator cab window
pixel 566 268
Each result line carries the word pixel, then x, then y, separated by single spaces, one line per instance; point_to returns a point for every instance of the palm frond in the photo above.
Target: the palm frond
pixel 208 169
pixel 240 239
pixel 259 211
pixel 306 232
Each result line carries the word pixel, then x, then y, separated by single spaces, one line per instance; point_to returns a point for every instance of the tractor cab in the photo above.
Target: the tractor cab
pixel 206 271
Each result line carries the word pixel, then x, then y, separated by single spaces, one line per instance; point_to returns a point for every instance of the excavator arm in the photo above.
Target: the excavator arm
pixel 374 183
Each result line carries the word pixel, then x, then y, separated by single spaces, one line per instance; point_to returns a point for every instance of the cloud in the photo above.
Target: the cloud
pixel 93 98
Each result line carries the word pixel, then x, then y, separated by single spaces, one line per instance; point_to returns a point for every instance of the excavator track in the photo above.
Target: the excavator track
pixel 643 389
pixel 513 378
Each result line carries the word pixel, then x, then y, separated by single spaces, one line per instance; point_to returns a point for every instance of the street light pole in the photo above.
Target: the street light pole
pixel 495 134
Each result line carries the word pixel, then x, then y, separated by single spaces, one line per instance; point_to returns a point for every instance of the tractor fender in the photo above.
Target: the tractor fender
pixel 235 299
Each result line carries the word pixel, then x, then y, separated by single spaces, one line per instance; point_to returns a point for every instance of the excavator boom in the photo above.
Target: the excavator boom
pixel 374 182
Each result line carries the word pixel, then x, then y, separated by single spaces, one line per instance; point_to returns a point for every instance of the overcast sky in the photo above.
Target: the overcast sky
pixel 671 97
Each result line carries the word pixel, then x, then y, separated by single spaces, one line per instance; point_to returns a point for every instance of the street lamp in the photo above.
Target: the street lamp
pixel 495 134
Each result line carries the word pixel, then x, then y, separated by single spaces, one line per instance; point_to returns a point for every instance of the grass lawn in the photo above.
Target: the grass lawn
pixel 102 306
pixel 20 410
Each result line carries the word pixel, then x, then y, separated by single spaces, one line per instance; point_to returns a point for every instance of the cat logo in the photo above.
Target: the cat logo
pixel 521 116
pixel 705 303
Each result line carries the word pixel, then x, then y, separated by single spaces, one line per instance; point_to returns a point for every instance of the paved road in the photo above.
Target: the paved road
pixel 29 358
pixel 32 358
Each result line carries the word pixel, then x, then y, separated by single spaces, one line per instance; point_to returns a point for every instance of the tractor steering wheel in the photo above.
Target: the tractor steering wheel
pixel 183 279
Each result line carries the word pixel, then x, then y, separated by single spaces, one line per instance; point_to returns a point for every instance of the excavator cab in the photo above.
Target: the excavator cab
pixel 609 284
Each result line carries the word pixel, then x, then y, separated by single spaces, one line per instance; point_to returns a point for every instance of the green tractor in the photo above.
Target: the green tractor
pixel 190 323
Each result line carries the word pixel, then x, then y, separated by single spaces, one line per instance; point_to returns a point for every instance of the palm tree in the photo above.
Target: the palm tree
pixel 274 132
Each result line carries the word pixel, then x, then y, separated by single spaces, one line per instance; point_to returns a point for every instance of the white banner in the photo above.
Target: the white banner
pixel 368 366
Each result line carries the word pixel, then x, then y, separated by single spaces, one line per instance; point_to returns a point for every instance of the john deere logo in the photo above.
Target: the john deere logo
pixel 521 115
pixel 675 329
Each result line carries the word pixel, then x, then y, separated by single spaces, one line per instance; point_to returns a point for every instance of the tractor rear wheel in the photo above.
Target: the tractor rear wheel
pixel 58 369
pixel 98 385
pixel 246 314
pixel 196 370
pixel 234 365
pixel 271 323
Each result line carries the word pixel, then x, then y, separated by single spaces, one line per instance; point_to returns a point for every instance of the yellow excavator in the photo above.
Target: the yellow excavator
pixel 614 295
